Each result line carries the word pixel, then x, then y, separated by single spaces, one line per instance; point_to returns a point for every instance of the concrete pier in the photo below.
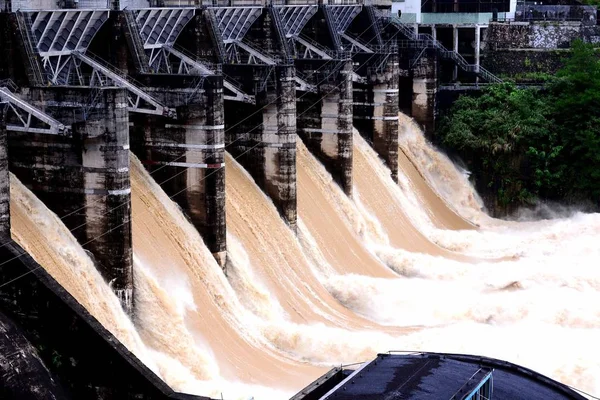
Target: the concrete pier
pixel 4 178
pixel 262 138
pixel 424 91
pixel 376 107
pixel 84 178
pixel 325 119
pixel 186 155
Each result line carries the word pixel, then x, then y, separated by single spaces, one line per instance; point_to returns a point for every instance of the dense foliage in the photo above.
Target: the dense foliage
pixel 531 143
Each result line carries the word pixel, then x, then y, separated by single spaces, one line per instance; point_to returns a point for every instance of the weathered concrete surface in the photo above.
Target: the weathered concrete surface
pixel 376 107
pixel 4 179
pixel 556 12
pixel 86 359
pixel 528 47
pixel 84 179
pixel 19 60
pixel 186 156
pixel 325 120
pixel 262 137
pixel 23 374
pixel 538 35
pixel 424 91
pixel 523 61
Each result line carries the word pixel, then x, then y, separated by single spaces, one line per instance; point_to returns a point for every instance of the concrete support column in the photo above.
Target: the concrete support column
pixel 425 91
pixel 376 111
pixel 455 48
pixel 84 178
pixel 477 46
pixel 4 179
pixel 325 125
pixel 263 139
pixel 186 157
pixel 280 153
pixel 107 193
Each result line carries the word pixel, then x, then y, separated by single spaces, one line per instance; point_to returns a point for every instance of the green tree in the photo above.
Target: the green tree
pixel 575 99
pixel 525 143
pixel 495 132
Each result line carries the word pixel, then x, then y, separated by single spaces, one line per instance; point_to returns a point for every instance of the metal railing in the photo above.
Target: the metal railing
pixel 136 38
pixel 214 27
pixel 9 84
pixel 332 28
pixel 318 46
pixel 423 41
pixel 377 20
pixel 280 32
pixel 37 74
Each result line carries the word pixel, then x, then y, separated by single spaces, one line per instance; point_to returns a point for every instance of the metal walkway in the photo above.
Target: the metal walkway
pixel 425 41
pixel 138 100
pixel 28 115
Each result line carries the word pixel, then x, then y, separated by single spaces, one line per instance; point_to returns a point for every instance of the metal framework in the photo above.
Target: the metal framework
pixel 422 41
pixel 23 117
pixel 161 27
pixel 343 16
pixel 60 33
pixel 356 45
pixel 188 65
pixel 234 22
pixel 138 100
pixel 293 20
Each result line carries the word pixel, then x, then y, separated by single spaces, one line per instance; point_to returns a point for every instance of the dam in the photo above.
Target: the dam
pixel 224 199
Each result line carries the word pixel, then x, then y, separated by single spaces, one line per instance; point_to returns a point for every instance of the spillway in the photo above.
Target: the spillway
pixel 398 266
pixel 43 235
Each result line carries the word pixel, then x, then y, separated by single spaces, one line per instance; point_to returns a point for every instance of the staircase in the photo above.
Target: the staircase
pixel 332 28
pixel 35 72
pixel 213 26
pixel 135 42
pixel 426 41
pixel 377 23
pixel 280 32
pixel 322 51
pixel 25 113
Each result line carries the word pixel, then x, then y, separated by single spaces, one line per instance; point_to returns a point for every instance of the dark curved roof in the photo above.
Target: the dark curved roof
pixel 427 376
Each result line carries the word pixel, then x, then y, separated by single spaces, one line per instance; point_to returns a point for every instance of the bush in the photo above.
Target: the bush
pixel 528 143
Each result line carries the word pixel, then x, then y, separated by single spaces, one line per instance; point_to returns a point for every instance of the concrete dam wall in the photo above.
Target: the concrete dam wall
pixel 81 88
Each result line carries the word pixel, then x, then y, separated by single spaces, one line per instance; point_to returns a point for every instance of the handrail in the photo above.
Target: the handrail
pixel 376 20
pixel 280 32
pixel 216 34
pixel 121 79
pixel 422 40
pixel 330 53
pixel 25 26
pixel 56 127
pixel 332 29
pixel 137 44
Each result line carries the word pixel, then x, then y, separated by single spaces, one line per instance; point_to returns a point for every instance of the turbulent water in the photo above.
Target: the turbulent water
pixel 411 266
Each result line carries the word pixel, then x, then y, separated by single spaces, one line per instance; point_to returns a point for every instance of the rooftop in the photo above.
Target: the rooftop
pixel 426 376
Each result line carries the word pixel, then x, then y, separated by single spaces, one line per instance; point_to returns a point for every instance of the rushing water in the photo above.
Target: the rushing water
pixel 416 266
